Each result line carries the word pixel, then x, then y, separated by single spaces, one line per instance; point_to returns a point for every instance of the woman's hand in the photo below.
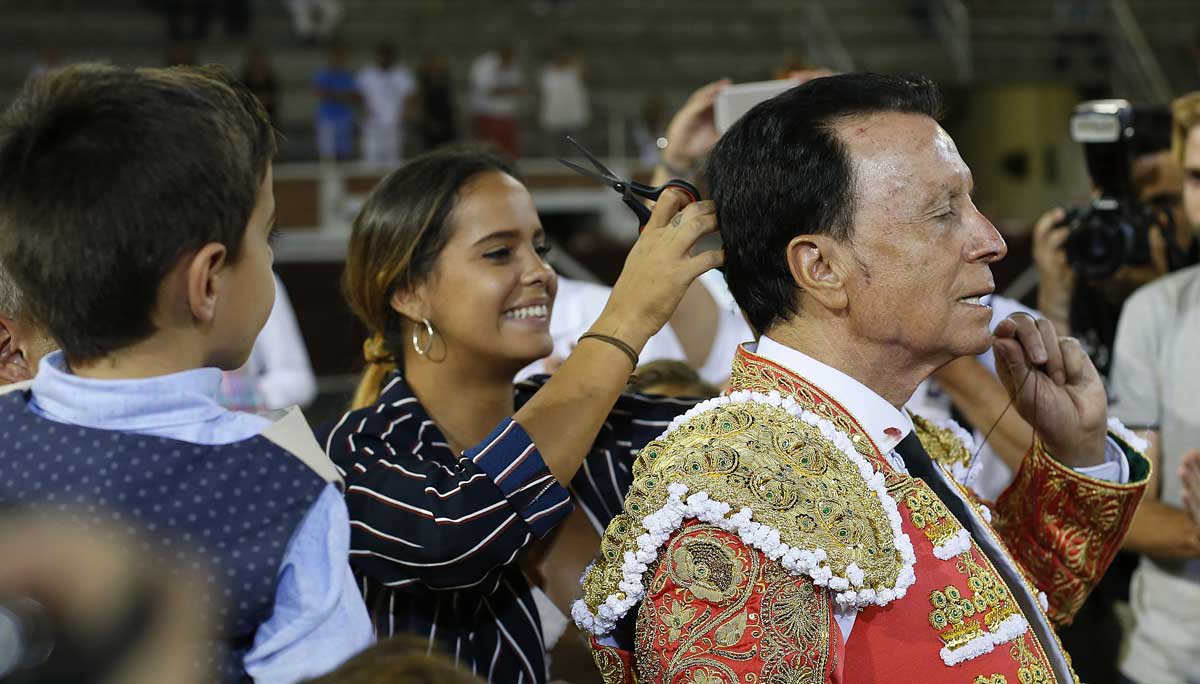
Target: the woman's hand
pixel 693 130
pixel 659 269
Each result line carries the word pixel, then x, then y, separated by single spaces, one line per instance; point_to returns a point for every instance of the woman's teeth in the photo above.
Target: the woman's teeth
pixel 539 311
pixel 970 300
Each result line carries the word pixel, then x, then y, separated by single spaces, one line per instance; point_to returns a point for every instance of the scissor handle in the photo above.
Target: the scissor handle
pixel 653 193
pixel 679 184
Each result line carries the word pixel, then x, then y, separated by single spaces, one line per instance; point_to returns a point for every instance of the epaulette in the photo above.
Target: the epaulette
pixel 783 479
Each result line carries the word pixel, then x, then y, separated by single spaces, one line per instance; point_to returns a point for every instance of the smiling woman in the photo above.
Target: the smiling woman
pixel 451 471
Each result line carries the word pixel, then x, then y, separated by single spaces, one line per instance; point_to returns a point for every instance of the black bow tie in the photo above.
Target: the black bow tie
pixel 919 464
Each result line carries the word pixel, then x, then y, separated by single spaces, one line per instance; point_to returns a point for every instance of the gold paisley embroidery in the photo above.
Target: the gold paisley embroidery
pixel 709 675
pixel 707 568
pixel 755 455
pixel 1067 535
pixel 767 614
pixel 730 633
pixel 942 445
pixel 676 615
pixel 994 679
pixel 796 622
pixel 612 668
pixel 710 581
pixel 1031 669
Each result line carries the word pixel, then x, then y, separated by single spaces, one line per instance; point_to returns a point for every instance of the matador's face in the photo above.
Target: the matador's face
pixel 924 250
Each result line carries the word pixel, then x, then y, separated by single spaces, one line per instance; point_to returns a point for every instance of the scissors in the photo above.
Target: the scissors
pixel 630 190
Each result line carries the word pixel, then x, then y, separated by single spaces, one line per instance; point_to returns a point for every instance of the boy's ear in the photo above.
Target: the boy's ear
pixel 13 365
pixel 8 330
pixel 818 269
pixel 204 275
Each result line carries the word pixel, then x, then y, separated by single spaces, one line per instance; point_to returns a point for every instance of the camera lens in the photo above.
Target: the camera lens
pixel 1099 244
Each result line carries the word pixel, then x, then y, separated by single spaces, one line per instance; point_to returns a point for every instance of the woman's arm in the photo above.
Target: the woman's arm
pixel 566 415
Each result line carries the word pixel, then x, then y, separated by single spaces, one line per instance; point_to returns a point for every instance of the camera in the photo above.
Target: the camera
pixel 1113 230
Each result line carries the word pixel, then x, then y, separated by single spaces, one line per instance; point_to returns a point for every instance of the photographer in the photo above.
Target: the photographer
pixel 1090 259
pixel 1153 386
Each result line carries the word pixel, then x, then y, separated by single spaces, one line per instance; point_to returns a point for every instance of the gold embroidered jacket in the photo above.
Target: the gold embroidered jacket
pixel 760 517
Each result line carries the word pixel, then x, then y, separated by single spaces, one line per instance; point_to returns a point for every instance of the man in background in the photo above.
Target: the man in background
pixel 496 87
pixel 1153 387
pixel 386 87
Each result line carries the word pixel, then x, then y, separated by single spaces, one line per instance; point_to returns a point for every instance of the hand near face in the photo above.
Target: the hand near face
pixel 1055 387
pixel 1189 473
pixel 660 268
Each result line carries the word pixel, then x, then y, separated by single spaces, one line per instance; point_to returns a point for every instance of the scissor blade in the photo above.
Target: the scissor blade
pixel 607 180
pixel 592 158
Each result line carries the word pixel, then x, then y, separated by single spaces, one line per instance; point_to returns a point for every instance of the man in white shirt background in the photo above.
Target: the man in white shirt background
pixel 386 88
pixel 497 85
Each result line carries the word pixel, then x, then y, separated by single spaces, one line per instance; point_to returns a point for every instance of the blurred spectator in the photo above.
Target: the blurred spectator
pixel 315 20
pixel 1154 377
pixel 435 117
pixel 190 19
pixel 386 87
pixel 338 95
pixel 23 342
pixel 564 98
pixel 118 612
pixel 259 77
pixel 278 374
pixel 48 59
pixel 179 54
pixel 649 127
pixel 496 87
pixel 792 62
pixel 668 378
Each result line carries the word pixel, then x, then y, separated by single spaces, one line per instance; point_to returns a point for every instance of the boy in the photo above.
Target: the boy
pixel 135 213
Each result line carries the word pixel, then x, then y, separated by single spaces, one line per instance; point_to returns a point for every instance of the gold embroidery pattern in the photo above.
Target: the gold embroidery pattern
pixel 755 455
pixel 609 662
pixel 753 372
pixel 928 513
pixel 1031 669
pixel 1064 528
pixel 758 375
pixel 796 624
pixel 957 617
pixel 994 679
pixel 942 445
pixel 720 608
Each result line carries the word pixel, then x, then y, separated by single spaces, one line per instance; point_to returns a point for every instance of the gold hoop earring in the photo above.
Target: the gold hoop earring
pixel 422 349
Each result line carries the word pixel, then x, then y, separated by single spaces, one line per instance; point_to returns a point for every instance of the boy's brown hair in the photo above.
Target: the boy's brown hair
pixel 400 659
pixel 108 176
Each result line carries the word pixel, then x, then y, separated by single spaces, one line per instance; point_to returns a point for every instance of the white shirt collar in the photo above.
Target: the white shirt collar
pixel 884 423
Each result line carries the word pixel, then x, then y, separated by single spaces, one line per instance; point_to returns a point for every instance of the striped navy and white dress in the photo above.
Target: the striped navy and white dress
pixel 435 535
